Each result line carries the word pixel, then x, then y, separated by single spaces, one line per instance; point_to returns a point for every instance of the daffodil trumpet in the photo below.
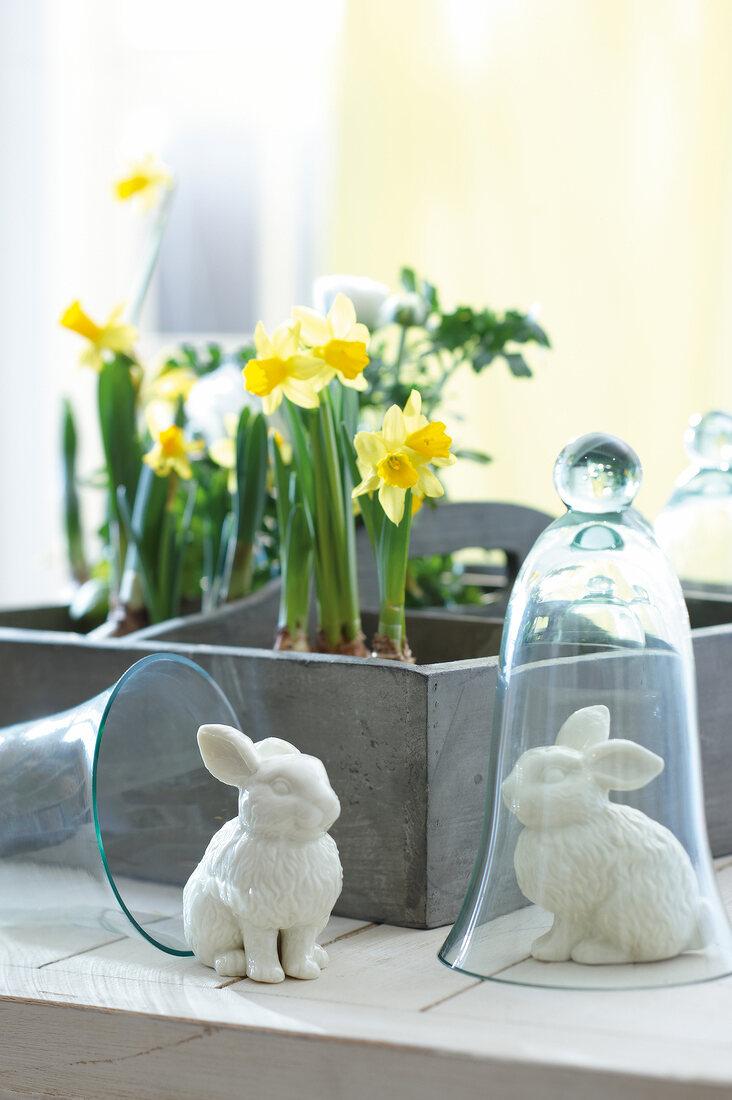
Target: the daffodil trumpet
pixel 394 468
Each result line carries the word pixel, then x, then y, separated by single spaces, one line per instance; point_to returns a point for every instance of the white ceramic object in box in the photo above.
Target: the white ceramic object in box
pixel 269 878
pixel 621 887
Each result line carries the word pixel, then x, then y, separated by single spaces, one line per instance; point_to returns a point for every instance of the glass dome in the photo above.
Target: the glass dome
pixel 695 526
pixel 107 808
pixel 594 869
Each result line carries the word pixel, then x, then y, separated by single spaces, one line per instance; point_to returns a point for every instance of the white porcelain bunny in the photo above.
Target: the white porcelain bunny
pixel 620 885
pixel 271 875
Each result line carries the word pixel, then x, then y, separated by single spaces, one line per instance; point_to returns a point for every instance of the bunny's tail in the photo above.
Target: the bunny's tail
pixel 703 932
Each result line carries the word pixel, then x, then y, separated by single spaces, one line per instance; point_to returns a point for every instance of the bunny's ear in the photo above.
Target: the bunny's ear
pixel 585 728
pixel 623 765
pixel 274 746
pixel 228 754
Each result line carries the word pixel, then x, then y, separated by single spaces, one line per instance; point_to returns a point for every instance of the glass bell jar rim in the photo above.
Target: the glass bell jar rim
pixel 593 869
pixel 126 679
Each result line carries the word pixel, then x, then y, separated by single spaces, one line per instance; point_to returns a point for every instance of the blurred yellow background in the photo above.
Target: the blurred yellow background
pixel 577 153
pixel 572 153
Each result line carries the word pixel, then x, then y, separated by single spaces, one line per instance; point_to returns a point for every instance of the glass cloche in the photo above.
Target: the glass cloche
pixel 594 869
pixel 695 526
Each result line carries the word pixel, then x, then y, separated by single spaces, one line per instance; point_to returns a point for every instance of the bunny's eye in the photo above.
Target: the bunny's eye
pixel 281 786
pixel 554 774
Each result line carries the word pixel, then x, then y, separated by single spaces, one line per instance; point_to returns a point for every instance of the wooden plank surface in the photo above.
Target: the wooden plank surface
pixel 81 1016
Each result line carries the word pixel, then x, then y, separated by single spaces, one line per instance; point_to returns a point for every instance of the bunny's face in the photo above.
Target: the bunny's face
pixel 282 792
pixel 289 795
pixel 568 781
pixel 551 787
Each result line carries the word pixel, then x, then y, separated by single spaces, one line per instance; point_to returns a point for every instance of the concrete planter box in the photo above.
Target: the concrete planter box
pixel 406 747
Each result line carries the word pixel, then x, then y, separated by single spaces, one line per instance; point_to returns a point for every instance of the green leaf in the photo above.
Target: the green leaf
pixel 72 510
pixel 251 475
pixel 517 365
pixel 408 279
pixel 118 422
pixel 472 456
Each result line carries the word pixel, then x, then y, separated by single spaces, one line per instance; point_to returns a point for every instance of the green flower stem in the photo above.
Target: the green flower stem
pixel 400 353
pixel 392 552
pixel 328 566
pixel 296 570
pixel 166 556
pixel 343 523
pixel 150 257
pixel 242 570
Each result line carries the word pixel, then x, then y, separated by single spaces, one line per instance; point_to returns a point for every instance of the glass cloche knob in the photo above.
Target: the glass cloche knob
pixel 598 473
pixel 708 440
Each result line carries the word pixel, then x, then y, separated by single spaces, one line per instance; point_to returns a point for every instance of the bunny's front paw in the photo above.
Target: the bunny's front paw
pixel 259 971
pixel 599 952
pixel 556 944
pixel 305 969
pixel 320 955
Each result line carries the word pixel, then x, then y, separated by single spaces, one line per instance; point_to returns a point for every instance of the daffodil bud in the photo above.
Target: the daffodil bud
pixel 407 310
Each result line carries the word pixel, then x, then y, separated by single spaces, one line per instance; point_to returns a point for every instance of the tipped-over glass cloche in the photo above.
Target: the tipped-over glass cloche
pixel 594 869
pixel 695 525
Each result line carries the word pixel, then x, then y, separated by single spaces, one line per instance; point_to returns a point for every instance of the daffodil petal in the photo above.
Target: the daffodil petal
pixel 357 383
pixel 159 415
pixel 118 337
pixel 369 448
pixel 314 329
pixel 359 333
pixel 427 483
pixel 413 406
pixel 305 366
pixel 285 341
pixel 323 378
pixel 223 452
pixel 90 357
pixel 262 342
pixel 449 461
pixel 301 393
pixel 391 498
pixel 272 401
pixel 394 430
pixel 182 467
pixel 342 318
pixel 367 485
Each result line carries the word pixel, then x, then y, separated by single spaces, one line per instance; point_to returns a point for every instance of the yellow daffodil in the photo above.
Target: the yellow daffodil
pixel 428 438
pixel 223 451
pixel 169 454
pixel 112 336
pixel 336 339
pixel 280 370
pixel 146 180
pixel 397 458
pixel 173 384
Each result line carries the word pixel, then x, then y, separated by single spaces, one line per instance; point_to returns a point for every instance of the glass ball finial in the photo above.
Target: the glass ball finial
pixel 708 440
pixel 598 473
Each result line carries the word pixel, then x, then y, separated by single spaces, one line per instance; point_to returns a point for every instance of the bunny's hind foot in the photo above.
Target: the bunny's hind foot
pixel 231 964
pixel 598 952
